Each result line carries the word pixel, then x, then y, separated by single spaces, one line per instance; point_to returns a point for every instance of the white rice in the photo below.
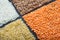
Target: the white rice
pixel 7 12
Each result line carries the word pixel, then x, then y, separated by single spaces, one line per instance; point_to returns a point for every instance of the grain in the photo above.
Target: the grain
pixel 25 6
pixel 7 12
pixel 45 21
pixel 16 30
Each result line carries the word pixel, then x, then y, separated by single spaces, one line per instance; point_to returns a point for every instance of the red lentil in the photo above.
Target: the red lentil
pixel 45 21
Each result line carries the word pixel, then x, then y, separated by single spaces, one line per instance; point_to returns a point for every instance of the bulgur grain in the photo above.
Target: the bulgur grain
pixel 16 30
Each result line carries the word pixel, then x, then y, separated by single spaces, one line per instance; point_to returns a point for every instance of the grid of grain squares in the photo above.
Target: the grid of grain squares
pixel 25 6
pixel 45 21
pixel 16 30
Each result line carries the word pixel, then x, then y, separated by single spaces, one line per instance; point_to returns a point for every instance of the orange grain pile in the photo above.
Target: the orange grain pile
pixel 58 0
pixel 45 21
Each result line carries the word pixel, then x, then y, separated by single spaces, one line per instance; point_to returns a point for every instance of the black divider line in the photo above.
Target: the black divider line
pixel 16 9
pixel 9 22
pixel 34 8
pixel 9 0
pixel 12 20
pixel 20 17
pixel 34 34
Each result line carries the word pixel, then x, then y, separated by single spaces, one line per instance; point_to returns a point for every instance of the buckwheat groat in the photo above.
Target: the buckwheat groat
pixel 25 6
pixel 45 21
pixel 7 12
pixel 16 30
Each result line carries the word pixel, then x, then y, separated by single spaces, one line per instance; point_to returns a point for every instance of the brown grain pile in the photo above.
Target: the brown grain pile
pixel 25 6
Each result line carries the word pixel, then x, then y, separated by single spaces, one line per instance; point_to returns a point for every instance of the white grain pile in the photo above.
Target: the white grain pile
pixel 7 12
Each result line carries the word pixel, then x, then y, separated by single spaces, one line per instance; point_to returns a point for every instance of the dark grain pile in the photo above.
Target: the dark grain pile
pixel 25 6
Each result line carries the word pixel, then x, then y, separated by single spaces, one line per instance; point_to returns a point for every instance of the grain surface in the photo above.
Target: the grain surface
pixel 45 21
pixel 25 6
pixel 16 30
pixel 7 12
